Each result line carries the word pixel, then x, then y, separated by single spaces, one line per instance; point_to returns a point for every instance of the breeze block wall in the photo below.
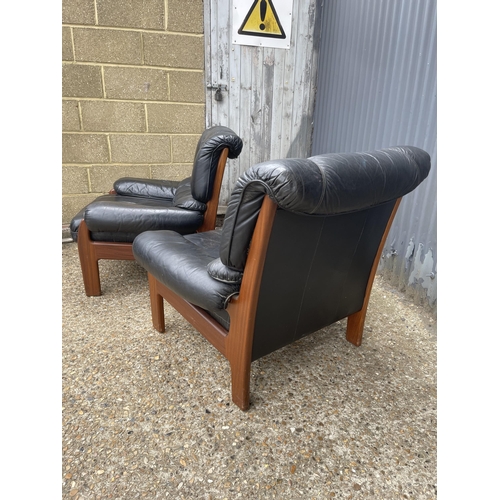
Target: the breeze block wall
pixel 133 93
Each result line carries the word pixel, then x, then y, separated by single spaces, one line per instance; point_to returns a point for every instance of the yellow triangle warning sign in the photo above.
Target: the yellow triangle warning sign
pixel 262 20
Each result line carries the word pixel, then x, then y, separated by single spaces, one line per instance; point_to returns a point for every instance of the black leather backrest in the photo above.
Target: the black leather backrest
pixel 206 158
pixel 315 273
pixel 322 185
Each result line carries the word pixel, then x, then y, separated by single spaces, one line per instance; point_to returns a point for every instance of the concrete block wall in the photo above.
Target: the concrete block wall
pixel 133 93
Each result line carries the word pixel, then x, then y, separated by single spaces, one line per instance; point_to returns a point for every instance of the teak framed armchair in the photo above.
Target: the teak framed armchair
pixel 298 251
pixel 106 228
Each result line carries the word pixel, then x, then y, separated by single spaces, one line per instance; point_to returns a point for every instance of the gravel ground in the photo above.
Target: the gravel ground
pixel 149 415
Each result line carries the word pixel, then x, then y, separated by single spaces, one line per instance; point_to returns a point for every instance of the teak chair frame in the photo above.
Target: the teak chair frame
pixel 91 251
pixel 236 344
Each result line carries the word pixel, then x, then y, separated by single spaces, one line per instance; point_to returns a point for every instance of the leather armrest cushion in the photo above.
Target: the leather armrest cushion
pixel 180 263
pixel 146 188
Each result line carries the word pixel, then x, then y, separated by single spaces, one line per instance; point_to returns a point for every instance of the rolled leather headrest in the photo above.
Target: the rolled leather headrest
pixel 326 184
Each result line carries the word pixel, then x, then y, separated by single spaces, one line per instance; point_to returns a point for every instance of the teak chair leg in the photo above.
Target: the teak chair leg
pixel 157 306
pixel 355 326
pixel 240 384
pixel 239 345
pixel 242 308
pixel 88 262
pixel 356 321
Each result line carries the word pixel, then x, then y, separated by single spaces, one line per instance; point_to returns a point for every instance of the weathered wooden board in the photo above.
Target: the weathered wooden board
pixel 268 94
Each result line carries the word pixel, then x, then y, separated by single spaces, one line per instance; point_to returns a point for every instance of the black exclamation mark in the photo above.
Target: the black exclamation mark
pixel 263 9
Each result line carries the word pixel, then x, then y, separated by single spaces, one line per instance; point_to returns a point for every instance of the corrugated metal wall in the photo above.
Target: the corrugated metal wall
pixel 377 88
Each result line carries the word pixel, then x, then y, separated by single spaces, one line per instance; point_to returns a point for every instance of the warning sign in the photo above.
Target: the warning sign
pixel 263 23
pixel 262 20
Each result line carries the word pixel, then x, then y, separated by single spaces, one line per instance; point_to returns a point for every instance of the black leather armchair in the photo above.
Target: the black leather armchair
pixel 106 228
pixel 298 251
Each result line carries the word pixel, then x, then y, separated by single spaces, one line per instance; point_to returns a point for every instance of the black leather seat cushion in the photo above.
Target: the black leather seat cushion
pixel 122 220
pixel 181 263
pixel 148 207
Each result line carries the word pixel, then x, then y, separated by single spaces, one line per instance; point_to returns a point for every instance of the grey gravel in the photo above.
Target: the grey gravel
pixel 149 415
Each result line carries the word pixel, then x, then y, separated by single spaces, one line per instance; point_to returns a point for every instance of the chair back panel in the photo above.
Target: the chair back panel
pixel 316 272
pixel 332 213
pixel 210 146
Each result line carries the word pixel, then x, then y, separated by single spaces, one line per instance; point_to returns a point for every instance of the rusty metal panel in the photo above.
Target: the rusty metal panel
pixel 377 88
